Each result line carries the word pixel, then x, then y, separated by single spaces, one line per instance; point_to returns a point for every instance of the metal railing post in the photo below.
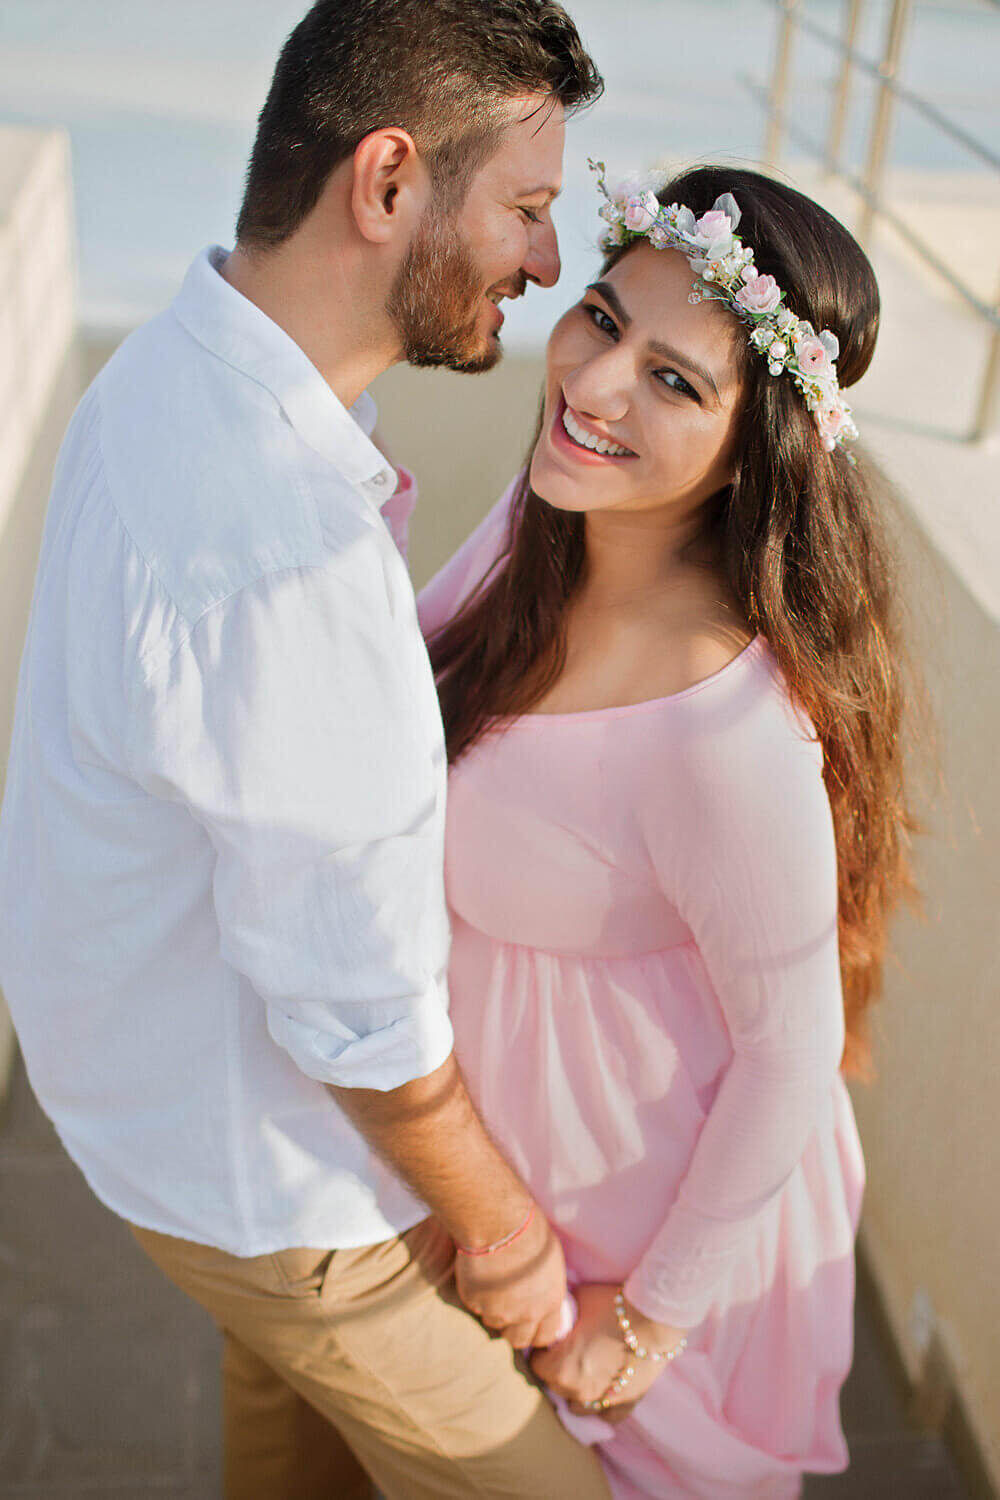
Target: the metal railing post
pixel 838 112
pixel 868 187
pixel 779 81
pixel 878 147
pixel 986 406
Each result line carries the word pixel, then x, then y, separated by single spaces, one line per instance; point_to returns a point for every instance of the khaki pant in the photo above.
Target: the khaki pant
pixel 376 1343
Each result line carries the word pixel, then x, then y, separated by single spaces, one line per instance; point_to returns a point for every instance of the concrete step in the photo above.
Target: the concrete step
pixel 900 1466
pixel 109 1377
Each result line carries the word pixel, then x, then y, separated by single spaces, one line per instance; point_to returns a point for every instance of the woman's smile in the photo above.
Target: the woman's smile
pixel 572 434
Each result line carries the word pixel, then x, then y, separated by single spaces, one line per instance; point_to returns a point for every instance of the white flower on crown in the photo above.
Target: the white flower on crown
pixel 634 184
pixel 833 422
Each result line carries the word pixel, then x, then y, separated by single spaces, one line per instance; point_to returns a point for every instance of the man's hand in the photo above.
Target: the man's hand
pixel 582 1366
pixel 517 1291
pixel 428 1130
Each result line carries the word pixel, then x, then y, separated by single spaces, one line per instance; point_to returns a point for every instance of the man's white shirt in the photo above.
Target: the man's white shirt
pixel 221 846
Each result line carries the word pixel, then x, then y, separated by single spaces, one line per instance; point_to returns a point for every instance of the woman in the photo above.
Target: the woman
pixel 667 669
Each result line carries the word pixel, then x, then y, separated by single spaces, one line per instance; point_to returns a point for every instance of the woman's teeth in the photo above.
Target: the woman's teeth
pixel 587 439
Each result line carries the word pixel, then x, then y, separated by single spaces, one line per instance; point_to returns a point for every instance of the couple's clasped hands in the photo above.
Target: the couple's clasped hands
pixel 519 1290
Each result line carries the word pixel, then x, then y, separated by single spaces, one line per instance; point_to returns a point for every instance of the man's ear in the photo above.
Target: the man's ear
pixel 391 186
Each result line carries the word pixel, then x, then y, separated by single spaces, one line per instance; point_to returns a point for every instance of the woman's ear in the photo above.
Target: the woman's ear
pixel 391 186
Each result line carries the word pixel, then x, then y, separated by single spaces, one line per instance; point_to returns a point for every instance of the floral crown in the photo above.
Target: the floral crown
pixel 726 273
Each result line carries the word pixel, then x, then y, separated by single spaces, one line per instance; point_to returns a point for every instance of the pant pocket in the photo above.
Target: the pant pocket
pixel 302 1271
pixel 422 1256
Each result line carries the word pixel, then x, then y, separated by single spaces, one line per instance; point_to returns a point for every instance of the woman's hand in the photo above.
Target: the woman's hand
pixel 582 1366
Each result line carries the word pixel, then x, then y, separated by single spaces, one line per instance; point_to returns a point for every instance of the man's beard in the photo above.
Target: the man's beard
pixel 436 299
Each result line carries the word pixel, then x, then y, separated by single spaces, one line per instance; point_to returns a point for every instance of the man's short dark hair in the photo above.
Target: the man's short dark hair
pixel 441 69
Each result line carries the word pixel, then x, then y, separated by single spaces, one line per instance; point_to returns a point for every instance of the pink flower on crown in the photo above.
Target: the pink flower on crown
pixel 713 233
pixel 759 294
pixel 641 211
pixel 815 354
pixel 831 421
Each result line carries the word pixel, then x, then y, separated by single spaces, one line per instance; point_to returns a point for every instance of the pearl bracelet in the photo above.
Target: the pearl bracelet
pixel 636 1351
pixel 619 1383
pixel 632 1343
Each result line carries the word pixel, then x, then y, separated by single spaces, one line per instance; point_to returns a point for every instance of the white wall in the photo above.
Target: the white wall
pixel 37 288
pixel 37 298
pixel 930 1120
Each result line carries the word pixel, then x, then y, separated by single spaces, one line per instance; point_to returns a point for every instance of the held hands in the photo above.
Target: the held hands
pixel 589 1362
pixel 517 1290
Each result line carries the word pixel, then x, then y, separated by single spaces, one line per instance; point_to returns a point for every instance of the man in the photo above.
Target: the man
pixel 225 940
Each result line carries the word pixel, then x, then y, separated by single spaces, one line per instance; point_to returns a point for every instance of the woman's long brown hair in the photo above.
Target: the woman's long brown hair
pixel 802 547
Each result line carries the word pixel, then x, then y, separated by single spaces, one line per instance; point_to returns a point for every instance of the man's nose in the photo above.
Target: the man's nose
pixel 542 264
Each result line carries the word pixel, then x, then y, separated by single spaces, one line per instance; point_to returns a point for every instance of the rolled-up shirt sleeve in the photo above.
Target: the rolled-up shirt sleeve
pixel 290 726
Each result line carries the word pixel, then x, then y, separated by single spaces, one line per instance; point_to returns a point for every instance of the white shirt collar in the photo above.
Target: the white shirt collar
pixel 238 332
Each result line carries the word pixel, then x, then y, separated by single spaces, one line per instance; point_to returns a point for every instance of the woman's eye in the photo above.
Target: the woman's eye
pixel 600 319
pixel 677 383
pixel 530 213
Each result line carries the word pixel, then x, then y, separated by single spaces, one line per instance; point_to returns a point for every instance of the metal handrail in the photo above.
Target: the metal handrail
pixel 853 58
pixel 838 114
pixel 795 132
pixel 868 187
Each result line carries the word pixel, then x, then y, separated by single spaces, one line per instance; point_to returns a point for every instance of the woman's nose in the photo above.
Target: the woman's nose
pixel 600 387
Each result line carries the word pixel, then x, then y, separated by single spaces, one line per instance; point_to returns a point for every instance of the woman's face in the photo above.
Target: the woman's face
pixel 636 365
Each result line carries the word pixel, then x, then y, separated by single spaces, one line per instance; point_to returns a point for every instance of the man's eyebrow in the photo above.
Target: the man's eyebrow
pixel 606 290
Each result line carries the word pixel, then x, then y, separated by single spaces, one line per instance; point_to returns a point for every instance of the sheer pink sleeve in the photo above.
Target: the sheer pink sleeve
pixel 441 597
pixel 744 847
pixel 398 509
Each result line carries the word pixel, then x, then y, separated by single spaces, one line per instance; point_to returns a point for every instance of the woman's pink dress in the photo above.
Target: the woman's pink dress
pixel 646 998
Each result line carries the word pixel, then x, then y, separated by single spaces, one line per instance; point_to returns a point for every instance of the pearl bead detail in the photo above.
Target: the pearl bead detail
pixel 632 1343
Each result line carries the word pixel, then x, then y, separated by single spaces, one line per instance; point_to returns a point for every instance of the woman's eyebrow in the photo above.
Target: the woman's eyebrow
pixel 667 351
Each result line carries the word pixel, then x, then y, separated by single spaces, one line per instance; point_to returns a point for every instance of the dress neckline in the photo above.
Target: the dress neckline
pixel 742 658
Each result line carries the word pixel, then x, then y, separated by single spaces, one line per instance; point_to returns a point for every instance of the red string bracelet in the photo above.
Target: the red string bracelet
pixel 499 1244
